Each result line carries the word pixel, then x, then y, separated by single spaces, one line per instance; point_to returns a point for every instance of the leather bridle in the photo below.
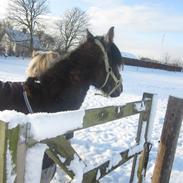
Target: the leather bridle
pixel 109 70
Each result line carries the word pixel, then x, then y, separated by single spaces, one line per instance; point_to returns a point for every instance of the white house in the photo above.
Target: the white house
pixel 18 42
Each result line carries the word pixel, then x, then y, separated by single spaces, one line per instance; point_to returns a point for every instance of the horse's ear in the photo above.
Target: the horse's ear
pixel 110 35
pixel 89 35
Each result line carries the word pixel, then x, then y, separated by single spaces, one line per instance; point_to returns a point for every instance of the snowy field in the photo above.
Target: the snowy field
pixel 99 143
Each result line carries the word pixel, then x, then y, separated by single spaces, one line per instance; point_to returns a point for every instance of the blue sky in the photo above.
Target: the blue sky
pixel 144 27
pixel 170 6
pixel 150 28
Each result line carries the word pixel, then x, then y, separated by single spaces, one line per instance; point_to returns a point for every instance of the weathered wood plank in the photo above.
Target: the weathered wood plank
pixel 16 144
pixel 105 168
pixel 139 164
pixel 95 117
pixel 60 148
pixel 98 116
pixel 168 141
pixel 144 156
pixel 12 141
pixel 3 129
pixel 21 152
pixel 55 157
pixel 102 115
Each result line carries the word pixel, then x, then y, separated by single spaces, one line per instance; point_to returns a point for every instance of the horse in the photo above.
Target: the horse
pixel 41 61
pixel 64 86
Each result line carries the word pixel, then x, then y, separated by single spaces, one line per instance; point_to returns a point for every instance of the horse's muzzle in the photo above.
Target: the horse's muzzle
pixel 117 92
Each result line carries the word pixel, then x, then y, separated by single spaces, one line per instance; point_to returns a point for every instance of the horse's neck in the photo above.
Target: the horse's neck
pixel 67 83
pixel 78 67
pixel 73 97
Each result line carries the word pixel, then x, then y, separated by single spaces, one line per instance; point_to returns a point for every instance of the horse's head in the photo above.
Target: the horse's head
pixel 107 77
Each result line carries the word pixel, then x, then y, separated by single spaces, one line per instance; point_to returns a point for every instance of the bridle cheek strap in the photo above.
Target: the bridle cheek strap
pixel 108 70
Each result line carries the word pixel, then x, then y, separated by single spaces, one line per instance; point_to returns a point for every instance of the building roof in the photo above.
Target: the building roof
pixel 23 38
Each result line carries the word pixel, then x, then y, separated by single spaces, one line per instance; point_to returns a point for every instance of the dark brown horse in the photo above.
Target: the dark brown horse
pixel 64 86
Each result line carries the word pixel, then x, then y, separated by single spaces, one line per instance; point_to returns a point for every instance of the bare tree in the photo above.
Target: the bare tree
pixel 4 24
pixel 1 29
pixel 26 13
pixel 71 28
pixel 47 40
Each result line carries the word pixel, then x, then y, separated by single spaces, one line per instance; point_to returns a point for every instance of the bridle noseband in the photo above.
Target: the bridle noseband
pixel 109 70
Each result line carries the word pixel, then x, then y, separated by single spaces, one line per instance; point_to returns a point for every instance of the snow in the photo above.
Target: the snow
pixel 98 144
pixel 114 161
pixel 34 159
pixel 41 128
pixel 152 117
pixel 98 174
pixel 61 123
pixel 10 174
pixel 141 142
pixel 77 167
pixel 140 106
pixel 137 148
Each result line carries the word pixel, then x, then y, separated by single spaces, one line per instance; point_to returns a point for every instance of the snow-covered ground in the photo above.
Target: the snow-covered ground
pixel 100 143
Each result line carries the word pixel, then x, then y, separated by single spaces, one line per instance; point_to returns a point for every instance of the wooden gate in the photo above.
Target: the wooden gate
pixel 16 141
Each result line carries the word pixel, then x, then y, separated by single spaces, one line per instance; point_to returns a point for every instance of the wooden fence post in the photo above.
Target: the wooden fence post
pixel 145 120
pixel 168 142
pixel 23 136
pixel 13 143
pixel 3 130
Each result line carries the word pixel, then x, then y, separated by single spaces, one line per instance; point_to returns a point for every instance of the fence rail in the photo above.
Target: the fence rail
pixel 151 64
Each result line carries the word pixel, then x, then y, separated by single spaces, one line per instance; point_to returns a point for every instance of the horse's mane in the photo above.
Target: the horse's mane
pixel 41 62
pixel 79 63
pixel 65 83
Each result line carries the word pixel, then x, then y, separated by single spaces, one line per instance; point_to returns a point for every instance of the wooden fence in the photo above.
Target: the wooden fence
pixel 168 141
pixel 151 64
pixel 17 141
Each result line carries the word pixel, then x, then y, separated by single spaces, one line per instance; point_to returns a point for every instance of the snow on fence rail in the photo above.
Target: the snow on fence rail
pixel 23 145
